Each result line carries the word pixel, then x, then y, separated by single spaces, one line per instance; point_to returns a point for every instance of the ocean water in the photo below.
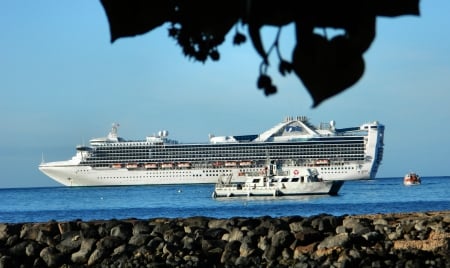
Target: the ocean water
pixel 383 195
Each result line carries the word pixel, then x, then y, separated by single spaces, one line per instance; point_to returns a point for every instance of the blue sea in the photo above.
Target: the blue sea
pixel 382 195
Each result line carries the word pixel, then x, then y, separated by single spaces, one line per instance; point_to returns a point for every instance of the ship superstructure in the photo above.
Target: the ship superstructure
pixel 338 154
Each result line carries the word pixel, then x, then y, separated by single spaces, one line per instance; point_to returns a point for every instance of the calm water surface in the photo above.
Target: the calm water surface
pixel 383 195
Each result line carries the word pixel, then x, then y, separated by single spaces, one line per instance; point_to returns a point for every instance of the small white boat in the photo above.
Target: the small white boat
pixel 412 178
pixel 304 182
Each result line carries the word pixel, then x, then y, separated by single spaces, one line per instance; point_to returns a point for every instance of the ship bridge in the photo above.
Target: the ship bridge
pixel 111 138
pixel 294 129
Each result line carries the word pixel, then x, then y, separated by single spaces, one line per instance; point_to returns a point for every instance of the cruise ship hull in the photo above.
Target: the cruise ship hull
pixel 337 154
pixel 74 175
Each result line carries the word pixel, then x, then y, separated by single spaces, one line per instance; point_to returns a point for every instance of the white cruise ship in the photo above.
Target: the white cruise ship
pixel 338 154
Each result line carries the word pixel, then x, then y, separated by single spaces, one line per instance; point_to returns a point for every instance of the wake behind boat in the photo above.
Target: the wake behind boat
pixel 338 154
pixel 275 183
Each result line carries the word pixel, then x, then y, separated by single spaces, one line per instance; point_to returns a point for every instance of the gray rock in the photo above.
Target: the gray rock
pixel 219 224
pixel 19 250
pixel 275 226
pixel 139 239
pixel 248 223
pixel 46 238
pixel 339 240
pixel 169 248
pixel 97 256
pixel 282 238
pixel 196 222
pixel 380 221
pixel 354 254
pixel 29 231
pixel 70 243
pixel 122 231
pixel 242 261
pixel 308 235
pixel 360 229
pixel 51 256
pixel 349 223
pixel 236 234
pixel 372 236
pixel 88 231
pixel 33 249
pixel 82 255
pixel 214 255
pixel 340 229
pixel 173 236
pixel 6 262
pixel 65 227
pixel 188 243
pixel 207 245
pixel 271 253
pixel 121 250
pixel 109 242
pixel 160 227
pixel 324 223
pixel 421 225
pixel 287 253
pixel 394 235
pixel 3 231
pixel 214 233
pixel 155 243
pixel 263 243
pixel 12 240
pixel 406 226
pixel 231 252
pixel 296 226
pixel 246 250
pixel 141 228
pixel 259 231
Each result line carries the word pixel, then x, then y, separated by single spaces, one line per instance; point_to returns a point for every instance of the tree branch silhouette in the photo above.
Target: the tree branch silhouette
pixel 325 66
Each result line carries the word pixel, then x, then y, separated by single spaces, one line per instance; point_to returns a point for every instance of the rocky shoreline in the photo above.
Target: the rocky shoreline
pixel 379 240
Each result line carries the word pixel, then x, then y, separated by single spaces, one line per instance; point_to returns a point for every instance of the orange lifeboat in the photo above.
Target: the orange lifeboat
pixel 321 162
pixel 412 179
pixel 218 164
pixel 151 166
pixel 245 163
pixel 167 165
pixel 132 165
pixel 184 165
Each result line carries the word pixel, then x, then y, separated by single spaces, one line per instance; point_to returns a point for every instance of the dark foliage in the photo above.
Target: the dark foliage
pixel 325 66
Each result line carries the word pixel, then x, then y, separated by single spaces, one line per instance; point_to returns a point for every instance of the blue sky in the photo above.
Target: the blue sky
pixel 63 83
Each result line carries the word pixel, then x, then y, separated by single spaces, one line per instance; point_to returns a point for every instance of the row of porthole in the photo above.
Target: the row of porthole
pixel 156 176
pixel 337 168
pixel 335 171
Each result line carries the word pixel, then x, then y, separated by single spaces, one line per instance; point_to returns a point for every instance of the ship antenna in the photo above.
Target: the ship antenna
pixel 42 158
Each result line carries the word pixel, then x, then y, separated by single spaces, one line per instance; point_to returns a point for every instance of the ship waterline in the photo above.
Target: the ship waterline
pixel 337 154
